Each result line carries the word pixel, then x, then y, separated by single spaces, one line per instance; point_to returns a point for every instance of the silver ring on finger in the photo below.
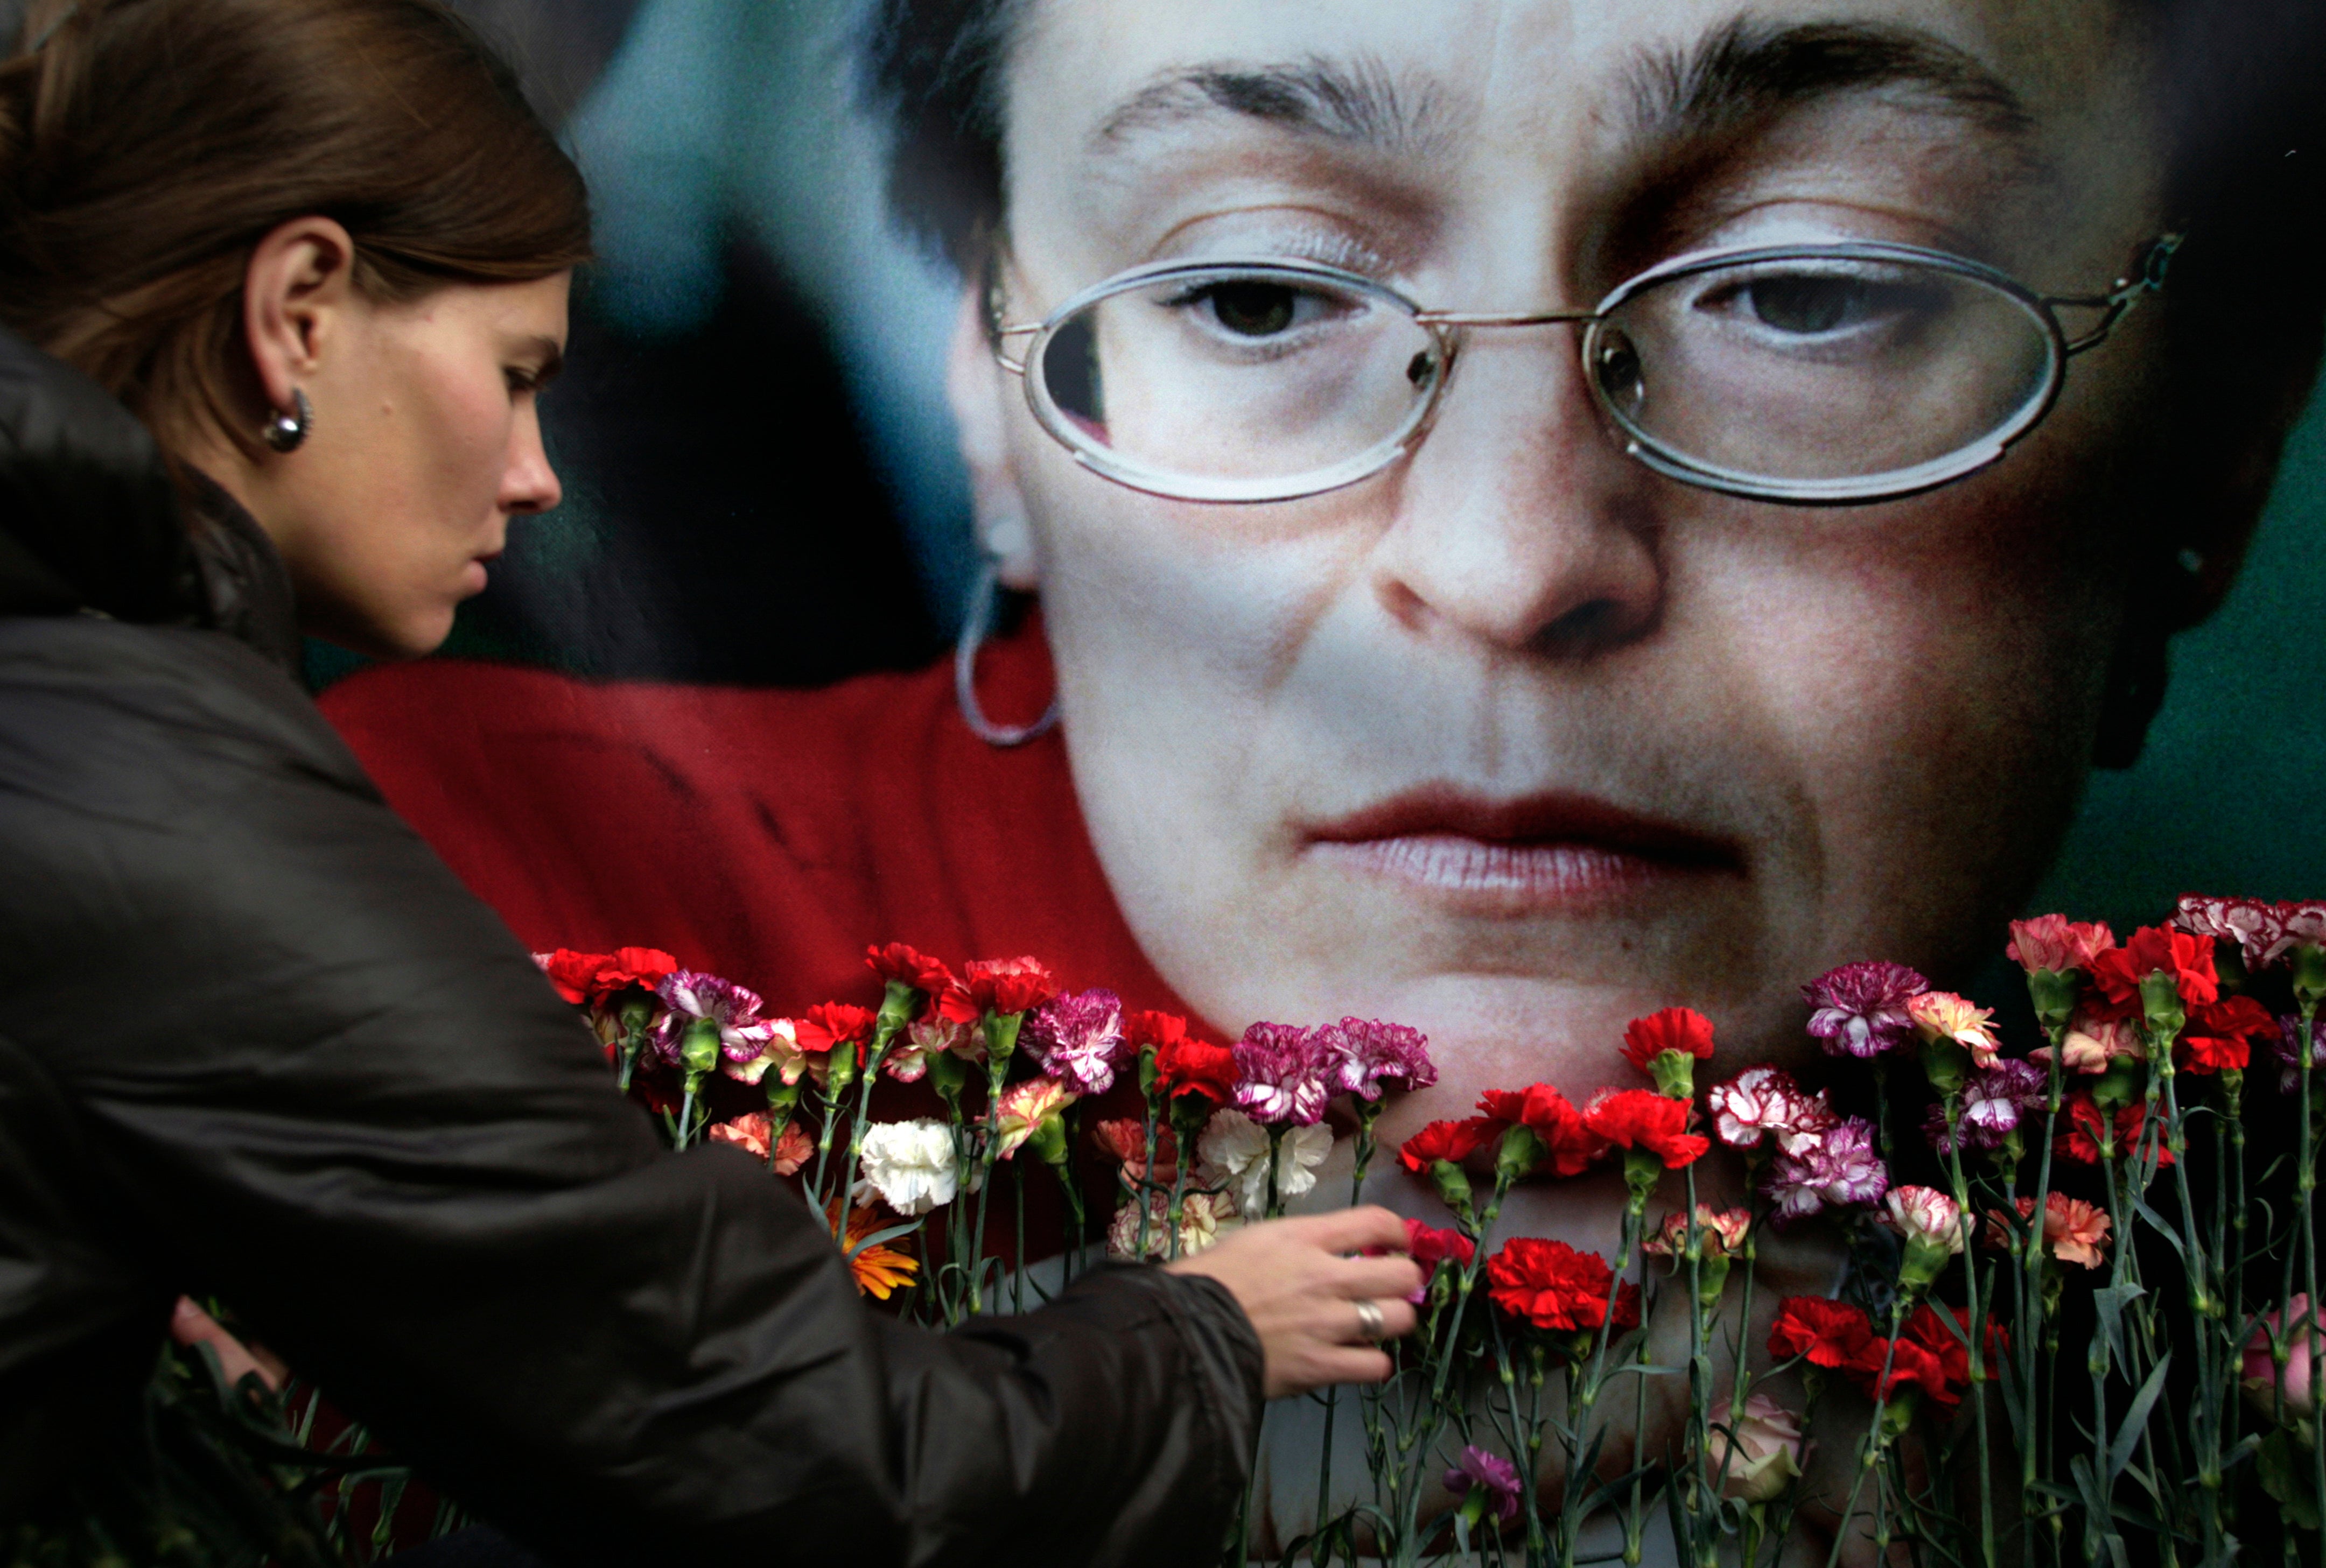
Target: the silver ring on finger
pixel 1371 1325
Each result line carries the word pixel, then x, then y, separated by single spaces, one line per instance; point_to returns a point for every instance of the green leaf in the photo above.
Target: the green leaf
pixel 2285 1477
pixel 2111 1303
pixel 2135 1420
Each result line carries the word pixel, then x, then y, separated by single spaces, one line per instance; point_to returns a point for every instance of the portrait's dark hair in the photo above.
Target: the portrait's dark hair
pixel 2244 84
pixel 147 145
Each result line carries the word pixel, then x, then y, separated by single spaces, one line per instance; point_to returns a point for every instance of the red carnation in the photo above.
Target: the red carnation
pixel 1452 1141
pixel 1911 1365
pixel 1830 1333
pixel 1188 1066
pixel 1683 1030
pixel 1429 1247
pixel 2221 1034
pixel 1553 1286
pixel 592 977
pixel 1007 986
pixel 2081 1141
pixel 1141 1030
pixel 1572 1147
pixel 911 966
pixel 829 1024
pixel 1644 1119
pixel 2189 960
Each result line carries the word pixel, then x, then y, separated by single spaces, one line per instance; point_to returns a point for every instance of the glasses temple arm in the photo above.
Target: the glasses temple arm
pixel 2146 277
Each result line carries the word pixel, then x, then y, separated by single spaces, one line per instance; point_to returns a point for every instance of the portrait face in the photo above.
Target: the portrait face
pixel 1517 738
pixel 426 440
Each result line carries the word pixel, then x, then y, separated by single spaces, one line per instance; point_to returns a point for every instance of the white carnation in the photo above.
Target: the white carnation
pixel 1233 1153
pixel 909 1165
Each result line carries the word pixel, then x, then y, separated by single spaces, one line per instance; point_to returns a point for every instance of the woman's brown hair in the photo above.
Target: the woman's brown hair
pixel 147 145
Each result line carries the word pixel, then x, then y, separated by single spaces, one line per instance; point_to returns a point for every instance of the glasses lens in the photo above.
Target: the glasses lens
pixel 1824 368
pixel 1236 383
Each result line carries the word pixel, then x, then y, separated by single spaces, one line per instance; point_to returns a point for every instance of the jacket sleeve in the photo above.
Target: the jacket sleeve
pixel 324 1081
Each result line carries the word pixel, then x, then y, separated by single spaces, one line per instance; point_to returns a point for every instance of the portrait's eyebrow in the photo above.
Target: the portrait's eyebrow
pixel 1353 101
pixel 1745 72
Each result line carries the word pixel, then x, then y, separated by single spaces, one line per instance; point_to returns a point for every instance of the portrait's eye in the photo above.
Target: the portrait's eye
pixel 1253 309
pixel 1257 310
pixel 1808 305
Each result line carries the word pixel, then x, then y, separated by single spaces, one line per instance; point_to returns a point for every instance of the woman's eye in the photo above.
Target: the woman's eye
pixel 1256 308
pixel 1808 303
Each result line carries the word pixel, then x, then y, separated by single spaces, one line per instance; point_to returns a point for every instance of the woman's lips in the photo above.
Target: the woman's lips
pixel 1537 854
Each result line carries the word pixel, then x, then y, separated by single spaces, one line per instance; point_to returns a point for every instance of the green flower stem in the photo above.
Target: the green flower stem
pixel 1968 1220
pixel 1870 1452
pixel 2030 1281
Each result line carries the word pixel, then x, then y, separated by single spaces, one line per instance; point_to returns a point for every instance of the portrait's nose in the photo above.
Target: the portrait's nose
pixel 528 483
pixel 1520 522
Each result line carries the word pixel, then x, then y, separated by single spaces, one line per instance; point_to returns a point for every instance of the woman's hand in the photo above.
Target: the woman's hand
pixel 1309 1301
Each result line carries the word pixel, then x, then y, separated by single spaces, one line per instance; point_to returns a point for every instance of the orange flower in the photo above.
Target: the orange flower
pixel 2077 1231
pixel 877 1268
pixel 1943 1016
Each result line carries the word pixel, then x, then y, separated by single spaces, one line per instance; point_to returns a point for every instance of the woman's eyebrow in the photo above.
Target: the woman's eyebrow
pixel 1357 100
pixel 1745 72
pixel 1736 74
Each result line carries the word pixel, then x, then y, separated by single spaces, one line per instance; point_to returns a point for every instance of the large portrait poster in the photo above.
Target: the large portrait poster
pixel 1498 519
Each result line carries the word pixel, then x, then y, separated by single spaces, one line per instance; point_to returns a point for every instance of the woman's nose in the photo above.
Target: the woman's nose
pixel 1518 521
pixel 528 483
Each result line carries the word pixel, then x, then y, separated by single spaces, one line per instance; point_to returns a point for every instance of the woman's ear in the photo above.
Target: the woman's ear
pixel 977 387
pixel 296 295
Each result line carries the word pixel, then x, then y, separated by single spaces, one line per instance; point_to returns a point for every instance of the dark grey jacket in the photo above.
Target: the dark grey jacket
pixel 256 1040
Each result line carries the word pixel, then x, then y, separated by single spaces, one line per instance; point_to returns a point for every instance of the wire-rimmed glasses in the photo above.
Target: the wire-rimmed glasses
pixel 1811 375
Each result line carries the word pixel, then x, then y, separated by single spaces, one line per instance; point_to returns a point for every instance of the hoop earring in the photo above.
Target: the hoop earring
pixel 287 433
pixel 984 594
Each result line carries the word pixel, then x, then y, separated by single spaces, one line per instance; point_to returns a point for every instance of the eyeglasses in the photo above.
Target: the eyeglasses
pixel 1809 374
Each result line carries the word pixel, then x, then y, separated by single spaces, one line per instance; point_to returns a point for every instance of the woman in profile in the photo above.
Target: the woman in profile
pixel 259 1044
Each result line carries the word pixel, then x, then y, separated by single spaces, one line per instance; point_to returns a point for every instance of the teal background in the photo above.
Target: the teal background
pixel 2230 796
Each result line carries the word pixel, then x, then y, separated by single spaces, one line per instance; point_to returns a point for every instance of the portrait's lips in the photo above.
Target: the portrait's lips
pixel 1530 855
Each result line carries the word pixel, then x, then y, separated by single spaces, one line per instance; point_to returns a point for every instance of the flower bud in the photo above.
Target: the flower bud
pixel 783 1099
pixel 947 1074
pixel 698 1046
pixel 1453 1186
pixel 2054 993
pixel 1049 1141
pixel 1674 1072
pixel 2119 1086
pixel 1519 1154
pixel 2160 1003
pixel 2267 1378
pixel 1765 1454
pixel 1946 1063
pixel 840 1069
pixel 2307 962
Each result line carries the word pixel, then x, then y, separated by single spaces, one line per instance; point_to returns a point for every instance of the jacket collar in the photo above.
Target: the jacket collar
pixel 90 523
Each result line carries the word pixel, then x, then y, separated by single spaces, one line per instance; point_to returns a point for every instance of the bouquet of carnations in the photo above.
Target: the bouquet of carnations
pixel 2077 1322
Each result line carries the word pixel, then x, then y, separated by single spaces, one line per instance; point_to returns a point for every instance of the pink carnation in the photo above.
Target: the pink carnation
pixel 1842 1170
pixel 2256 926
pixel 1077 1038
pixel 1861 1008
pixel 2055 943
pixel 1281 1071
pixel 1365 1056
pixel 1765 1102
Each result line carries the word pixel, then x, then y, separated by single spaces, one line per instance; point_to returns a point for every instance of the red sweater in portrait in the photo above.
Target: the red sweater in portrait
pixel 769 836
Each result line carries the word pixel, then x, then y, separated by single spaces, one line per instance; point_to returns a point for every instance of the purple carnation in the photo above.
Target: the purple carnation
pixel 1841 1170
pixel 1992 1104
pixel 1498 1475
pixel 1365 1056
pixel 1281 1068
pixel 1077 1038
pixel 690 994
pixel 1861 1008
pixel 2289 1030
